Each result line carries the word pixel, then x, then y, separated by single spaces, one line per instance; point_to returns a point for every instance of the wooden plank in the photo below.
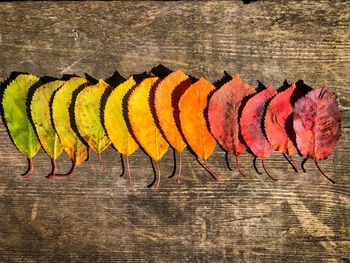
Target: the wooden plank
pixel 96 216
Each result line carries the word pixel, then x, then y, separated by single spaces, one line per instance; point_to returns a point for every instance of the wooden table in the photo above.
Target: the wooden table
pixel 96 216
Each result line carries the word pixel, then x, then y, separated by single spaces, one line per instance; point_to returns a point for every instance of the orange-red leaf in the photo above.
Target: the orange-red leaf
pixel 223 114
pixel 192 105
pixel 165 110
pixel 251 123
pixel 316 120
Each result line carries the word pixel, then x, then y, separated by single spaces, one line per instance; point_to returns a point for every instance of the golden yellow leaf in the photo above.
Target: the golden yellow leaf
pixel 142 121
pixel 114 121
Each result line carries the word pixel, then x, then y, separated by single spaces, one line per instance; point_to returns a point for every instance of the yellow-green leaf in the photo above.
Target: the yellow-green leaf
pixel 87 116
pixel 40 111
pixel 74 147
pixel 114 121
pixel 15 113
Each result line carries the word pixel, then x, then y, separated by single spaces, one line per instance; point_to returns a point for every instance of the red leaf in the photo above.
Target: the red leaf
pixel 278 111
pixel 223 115
pixel 251 121
pixel 317 124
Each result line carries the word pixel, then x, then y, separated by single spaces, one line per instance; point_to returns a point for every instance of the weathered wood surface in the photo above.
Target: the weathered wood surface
pixel 99 216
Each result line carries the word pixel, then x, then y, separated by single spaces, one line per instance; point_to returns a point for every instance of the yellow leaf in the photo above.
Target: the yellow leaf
pixel 114 121
pixel 142 121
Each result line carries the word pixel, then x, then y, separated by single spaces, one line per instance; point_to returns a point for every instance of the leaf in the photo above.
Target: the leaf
pixel 223 111
pixel 142 122
pixel 114 122
pixel 278 111
pixel 87 117
pixel 316 121
pixel 278 121
pixel 251 120
pixel 317 124
pixel 223 114
pixel 20 128
pixel 74 147
pixel 40 111
pixel 192 106
pixel 165 111
pixel 251 124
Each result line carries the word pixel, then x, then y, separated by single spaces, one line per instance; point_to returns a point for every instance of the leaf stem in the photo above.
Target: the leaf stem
pixel 255 167
pixel 158 179
pixel 27 174
pixel 122 162
pixel 238 168
pixel 291 162
pixel 128 168
pixel 54 170
pixel 295 166
pixel 332 181
pixel 178 176
pixel 174 170
pixel 263 165
pixel 102 165
pixel 70 172
pixel 154 174
pixel 227 161
pixel 302 165
pixel 208 169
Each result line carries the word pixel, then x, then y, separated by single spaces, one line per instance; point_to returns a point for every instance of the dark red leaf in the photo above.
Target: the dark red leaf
pixel 317 124
pixel 316 120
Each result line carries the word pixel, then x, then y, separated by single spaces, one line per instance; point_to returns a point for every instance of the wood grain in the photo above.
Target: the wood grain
pixel 97 216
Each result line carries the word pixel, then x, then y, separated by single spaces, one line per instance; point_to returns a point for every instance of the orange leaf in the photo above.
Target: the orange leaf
pixel 194 127
pixel 165 110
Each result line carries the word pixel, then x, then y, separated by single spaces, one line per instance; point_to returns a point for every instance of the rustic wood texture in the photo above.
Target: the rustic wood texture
pixel 100 216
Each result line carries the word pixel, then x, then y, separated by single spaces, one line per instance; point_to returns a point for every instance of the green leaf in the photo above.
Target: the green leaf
pixel 14 105
pixel 40 112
